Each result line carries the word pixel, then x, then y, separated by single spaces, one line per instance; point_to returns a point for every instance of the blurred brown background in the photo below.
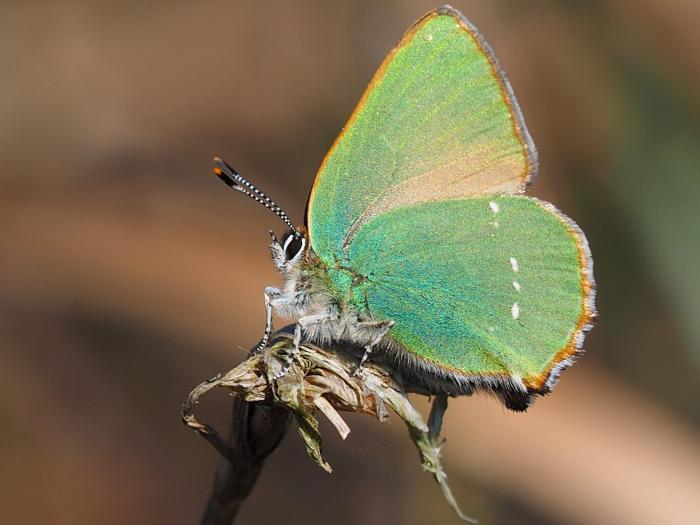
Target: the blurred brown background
pixel 128 273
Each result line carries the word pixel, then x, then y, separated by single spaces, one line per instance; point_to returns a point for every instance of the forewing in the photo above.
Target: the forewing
pixel 438 121
pixel 482 287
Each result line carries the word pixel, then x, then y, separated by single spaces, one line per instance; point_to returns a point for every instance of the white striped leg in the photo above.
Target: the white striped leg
pixel 303 323
pixel 271 294
pixel 381 328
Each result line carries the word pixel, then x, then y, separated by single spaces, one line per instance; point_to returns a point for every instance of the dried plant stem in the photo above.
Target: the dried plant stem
pixel 317 380
pixel 256 430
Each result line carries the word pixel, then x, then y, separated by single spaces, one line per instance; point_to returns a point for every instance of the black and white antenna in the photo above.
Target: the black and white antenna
pixel 232 179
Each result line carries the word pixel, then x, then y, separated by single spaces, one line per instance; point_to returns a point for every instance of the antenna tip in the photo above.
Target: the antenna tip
pixel 224 177
pixel 220 163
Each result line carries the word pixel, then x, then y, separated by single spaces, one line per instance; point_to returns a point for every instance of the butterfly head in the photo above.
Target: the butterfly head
pixel 288 252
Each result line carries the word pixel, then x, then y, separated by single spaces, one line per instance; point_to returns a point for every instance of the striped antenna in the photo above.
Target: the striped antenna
pixel 232 179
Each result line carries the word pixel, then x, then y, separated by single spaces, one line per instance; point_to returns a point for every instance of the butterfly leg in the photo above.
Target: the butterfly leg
pixel 303 323
pixel 271 294
pixel 379 330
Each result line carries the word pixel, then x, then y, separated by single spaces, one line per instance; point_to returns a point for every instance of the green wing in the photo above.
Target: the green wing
pixel 489 286
pixel 438 121
pixel 413 210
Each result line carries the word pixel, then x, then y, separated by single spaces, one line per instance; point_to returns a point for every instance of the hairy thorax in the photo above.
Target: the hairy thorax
pixel 308 292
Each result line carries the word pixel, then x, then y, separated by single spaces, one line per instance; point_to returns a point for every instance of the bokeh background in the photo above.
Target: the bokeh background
pixel 128 273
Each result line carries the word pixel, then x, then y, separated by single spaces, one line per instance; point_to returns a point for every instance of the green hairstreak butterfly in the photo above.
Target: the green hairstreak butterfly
pixel 418 240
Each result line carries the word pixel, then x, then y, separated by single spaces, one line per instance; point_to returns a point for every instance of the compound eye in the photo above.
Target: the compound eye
pixel 293 245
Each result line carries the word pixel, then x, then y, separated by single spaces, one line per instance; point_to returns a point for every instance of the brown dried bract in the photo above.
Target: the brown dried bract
pixel 327 381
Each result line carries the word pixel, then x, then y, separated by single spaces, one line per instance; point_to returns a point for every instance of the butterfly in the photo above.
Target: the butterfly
pixel 419 241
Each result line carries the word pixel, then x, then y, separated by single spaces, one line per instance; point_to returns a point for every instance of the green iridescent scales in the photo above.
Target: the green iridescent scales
pixel 418 197
pixel 471 288
pixel 434 123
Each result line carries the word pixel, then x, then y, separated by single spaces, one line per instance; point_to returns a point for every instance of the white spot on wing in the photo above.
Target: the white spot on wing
pixel 494 207
pixel 515 310
pixel 516 285
pixel 514 264
pixel 491 329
